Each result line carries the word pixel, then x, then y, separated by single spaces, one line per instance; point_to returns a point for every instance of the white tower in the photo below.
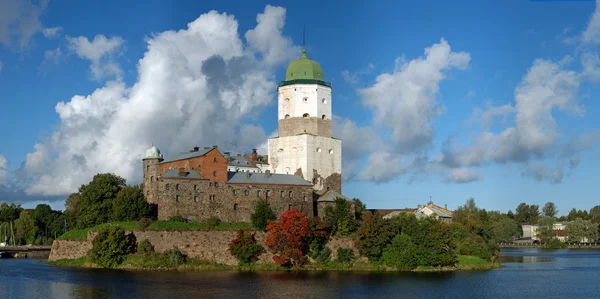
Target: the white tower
pixel 305 145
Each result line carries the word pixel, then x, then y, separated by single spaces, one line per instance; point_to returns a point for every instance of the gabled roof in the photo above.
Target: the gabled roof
pixel 174 174
pixel 188 155
pixel 265 179
pixel 239 161
pixel 408 211
pixel 440 209
pixel 438 212
pixel 330 196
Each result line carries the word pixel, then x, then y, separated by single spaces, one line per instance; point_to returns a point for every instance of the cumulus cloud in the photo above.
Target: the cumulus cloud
pixel 101 52
pixel 354 78
pixel 357 141
pixel 53 55
pixel 52 32
pixel 591 35
pixel 3 170
pixel 266 37
pixel 19 21
pixel 404 103
pixel 195 86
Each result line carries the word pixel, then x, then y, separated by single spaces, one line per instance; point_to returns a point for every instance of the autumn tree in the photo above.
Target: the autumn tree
pixel 289 240
pixel 245 248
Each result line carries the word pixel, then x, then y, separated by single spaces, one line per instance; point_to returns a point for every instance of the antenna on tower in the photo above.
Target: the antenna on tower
pixel 304 38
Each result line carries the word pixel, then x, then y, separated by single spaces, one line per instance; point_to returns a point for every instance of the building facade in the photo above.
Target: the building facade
pixel 305 145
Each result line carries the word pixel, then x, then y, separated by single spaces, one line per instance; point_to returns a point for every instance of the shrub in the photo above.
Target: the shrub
pixel 213 222
pixel 178 219
pixel 245 248
pixel 145 247
pixel 263 214
pixel 345 255
pixel 321 254
pixel 401 253
pixel 176 257
pixel 143 224
pixel 372 236
pixel 475 247
pixel 111 245
pixel 289 240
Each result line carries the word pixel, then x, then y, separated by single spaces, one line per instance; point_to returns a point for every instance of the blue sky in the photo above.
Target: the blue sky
pixel 501 108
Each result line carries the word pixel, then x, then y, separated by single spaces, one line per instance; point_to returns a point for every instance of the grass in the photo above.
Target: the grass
pixel 82 262
pixel 81 234
pixel 474 263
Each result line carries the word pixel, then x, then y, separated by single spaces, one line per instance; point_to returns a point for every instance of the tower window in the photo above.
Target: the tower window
pixel 304 73
pixel 290 194
pixel 215 160
pixel 294 149
pixel 318 149
pixel 281 150
pixel 195 198
pixel 287 116
pixel 305 115
pixel 147 168
pixel 305 100
pixel 324 101
pixel 282 194
pixel 258 193
pixel 287 100
pixel 331 151
pixel 151 179
pixel 267 193
pixel 195 187
pixel 323 116
pixel 177 198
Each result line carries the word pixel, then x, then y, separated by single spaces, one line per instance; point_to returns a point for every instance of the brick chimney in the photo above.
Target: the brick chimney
pixel 181 171
pixel 254 155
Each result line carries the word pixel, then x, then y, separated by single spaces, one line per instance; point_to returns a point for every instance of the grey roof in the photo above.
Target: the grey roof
pixel 330 196
pixel 396 213
pixel 174 174
pixel 265 179
pixel 188 155
pixel 240 161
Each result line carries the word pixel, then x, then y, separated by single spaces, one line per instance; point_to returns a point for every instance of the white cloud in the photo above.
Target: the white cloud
pixel 591 35
pixel 356 142
pixel 485 117
pixel 353 78
pixel 53 55
pixel 101 52
pixel 462 175
pixel 195 86
pixel 266 37
pixel 19 21
pixel 52 32
pixel 3 170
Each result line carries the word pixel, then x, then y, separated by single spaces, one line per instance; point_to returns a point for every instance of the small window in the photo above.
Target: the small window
pixel 281 150
pixel 214 173
pixel 305 100
pixel 168 187
pixel 147 168
pixel 211 197
pixel 315 180
pixel 195 187
pixel 304 197
pixel 294 149
pixel 318 149
pixel 235 207
pixel 267 193
pixel 235 192
pixel 177 187
pixel 215 159
pixel 290 194
pixel 323 116
pixel 210 184
pixel 246 192
pixel 305 115
pixel 152 180
pixel 324 101
pixel 147 192
pixel 331 151
pixel 195 198
pixel 282 194
pixel 287 100
pixel 287 116
pixel 216 184
pixel 258 193
pixel 304 73
pixel 289 206
pixel 177 198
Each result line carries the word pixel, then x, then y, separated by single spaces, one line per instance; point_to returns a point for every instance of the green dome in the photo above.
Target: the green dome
pixel 304 68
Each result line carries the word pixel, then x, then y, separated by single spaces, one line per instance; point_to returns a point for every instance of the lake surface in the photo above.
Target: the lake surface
pixel 526 273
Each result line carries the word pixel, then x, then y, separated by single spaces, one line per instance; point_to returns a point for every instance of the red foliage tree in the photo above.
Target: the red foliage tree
pixel 289 240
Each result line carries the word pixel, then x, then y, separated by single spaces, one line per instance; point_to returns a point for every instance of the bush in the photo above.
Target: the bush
pixel 143 224
pixel 345 255
pixel 263 214
pixel 321 254
pixel 111 246
pixel 475 247
pixel 178 219
pixel 245 248
pixel 213 222
pixel 175 257
pixel 145 247
pixel 401 254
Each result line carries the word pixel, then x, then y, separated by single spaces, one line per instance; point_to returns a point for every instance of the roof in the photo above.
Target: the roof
pixel 188 155
pixel 389 211
pixel 561 233
pixel 408 211
pixel 330 196
pixel 265 179
pixel 240 161
pixel 445 211
pixel 304 68
pixel 174 174
pixel 152 153
pixel 438 212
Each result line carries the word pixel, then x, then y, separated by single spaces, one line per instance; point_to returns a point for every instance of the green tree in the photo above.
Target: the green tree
pixel 401 254
pixel 576 230
pixel 595 214
pixel 340 217
pixel 25 229
pixel 263 214
pixel 111 246
pixel 373 235
pixel 550 209
pixel 43 217
pixel 9 212
pixel 130 205
pixel 95 204
pixel 527 213
pixel 574 214
pixel 546 229
pixel 505 229
pixel 359 208
pixel 244 247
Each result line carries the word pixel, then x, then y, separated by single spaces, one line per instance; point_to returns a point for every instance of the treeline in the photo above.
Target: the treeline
pixel 106 198
pixel 531 214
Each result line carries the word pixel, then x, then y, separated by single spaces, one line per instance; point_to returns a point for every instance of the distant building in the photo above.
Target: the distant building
pixel 428 210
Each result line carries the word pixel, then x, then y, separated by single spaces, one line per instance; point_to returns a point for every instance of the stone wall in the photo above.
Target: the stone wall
pixel 310 125
pixel 199 200
pixel 210 246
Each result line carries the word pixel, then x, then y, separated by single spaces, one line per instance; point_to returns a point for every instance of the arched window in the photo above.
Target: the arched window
pixel 318 149
pixel 331 151
pixel 294 149
pixel 324 101
pixel 281 150
pixel 267 193
pixel 195 187
pixel 287 116
pixel 168 186
pixel 305 115
pixel 216 184
pixel 287 100
pixel 323 116
pixel 195 198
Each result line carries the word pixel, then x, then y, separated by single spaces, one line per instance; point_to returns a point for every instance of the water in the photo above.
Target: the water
pixel 527 273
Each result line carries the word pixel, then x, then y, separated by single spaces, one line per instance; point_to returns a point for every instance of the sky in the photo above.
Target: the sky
pixel 433 100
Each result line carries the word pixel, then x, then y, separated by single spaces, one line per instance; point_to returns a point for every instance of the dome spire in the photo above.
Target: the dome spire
pixel 304 43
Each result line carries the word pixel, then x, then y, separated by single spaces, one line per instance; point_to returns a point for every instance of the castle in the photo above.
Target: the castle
pixel 302 170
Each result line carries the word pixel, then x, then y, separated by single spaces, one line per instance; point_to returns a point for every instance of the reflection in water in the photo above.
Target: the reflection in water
pixel 563 273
